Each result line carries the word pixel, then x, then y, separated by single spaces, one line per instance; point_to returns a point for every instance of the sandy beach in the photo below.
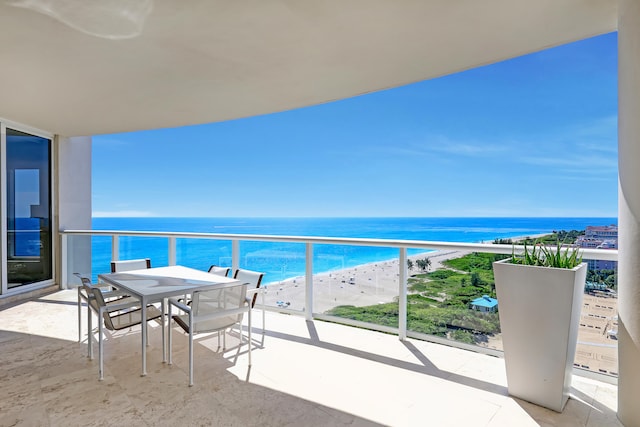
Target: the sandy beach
pixel 366 284
pixel 362 285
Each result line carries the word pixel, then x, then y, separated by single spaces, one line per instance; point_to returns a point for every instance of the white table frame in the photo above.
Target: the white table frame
pixel 151 285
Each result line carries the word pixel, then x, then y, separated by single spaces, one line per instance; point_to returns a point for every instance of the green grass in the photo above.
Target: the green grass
pixel 438 303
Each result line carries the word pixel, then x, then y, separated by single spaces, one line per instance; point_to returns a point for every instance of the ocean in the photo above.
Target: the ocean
pixel 285 260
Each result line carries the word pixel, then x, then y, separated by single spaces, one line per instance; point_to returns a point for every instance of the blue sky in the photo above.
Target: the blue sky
pixel 531 136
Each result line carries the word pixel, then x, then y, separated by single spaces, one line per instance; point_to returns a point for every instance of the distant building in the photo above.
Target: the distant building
pixel 602 232
pixel 485 304
pixel 600 237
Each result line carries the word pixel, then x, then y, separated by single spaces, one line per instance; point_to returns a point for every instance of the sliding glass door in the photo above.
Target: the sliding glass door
pixel 28 208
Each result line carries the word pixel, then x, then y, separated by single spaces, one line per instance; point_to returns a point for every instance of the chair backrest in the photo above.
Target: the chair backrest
pixel 84 279
pixel 117 319
pixel 97 301
pixel 131 264
pixel 252 278
pixel 221 271
pixel 86 286
pixel 218 301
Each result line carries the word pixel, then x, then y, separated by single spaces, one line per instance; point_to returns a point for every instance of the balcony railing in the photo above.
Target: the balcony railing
pixel 321 278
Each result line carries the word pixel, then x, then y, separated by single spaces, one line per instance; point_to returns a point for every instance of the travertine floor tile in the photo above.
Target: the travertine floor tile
pixel 303 373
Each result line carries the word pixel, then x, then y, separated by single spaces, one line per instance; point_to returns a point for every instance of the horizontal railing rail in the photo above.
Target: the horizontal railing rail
pixel 587 253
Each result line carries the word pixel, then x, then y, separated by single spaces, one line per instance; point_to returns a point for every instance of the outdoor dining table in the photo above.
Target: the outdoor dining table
pixel 151 285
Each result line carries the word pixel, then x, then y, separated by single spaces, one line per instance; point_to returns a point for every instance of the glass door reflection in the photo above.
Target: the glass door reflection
pixel 28 183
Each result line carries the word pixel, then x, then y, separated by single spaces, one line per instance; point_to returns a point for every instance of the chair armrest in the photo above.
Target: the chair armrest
pixel 252 292
pixel 117 307
pixel 114 293
pixel 107 291
pixel 179 304
pixel 221 313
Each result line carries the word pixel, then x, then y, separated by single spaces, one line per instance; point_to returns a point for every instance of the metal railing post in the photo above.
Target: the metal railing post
pixel 235 255
pixel 172 251
pixel 402 292
pixel 115 247
pixel 308 291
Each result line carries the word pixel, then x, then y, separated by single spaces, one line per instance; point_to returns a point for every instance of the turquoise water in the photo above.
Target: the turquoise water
pixel 285 260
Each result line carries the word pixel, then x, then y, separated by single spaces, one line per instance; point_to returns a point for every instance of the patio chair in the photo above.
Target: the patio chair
pixel 254 280
pixel 222 271
pixel 211 311
pixel 130 264
pixel 117 316
pixel 84 293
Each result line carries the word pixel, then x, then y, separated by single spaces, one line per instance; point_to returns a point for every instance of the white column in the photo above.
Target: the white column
pixel 629 212
pixel 72 204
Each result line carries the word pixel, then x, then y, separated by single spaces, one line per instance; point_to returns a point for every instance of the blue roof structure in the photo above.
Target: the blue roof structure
pixel 485 301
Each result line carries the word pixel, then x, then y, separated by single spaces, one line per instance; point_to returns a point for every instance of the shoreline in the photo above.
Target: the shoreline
pixel 362 285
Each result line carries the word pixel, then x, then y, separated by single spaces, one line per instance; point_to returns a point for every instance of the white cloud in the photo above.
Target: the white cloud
pixel 444 145
pixel 578 162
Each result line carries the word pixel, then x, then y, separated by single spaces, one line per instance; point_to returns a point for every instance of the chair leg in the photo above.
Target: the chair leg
pixel 100 349
pixel 89 333
pixel 164 347
pixel 169 335
pixel 79 316
pixel 190 354
pixel 264 310
pixel 249 336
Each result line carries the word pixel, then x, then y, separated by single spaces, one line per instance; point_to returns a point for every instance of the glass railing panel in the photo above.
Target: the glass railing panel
pixel 154 248
pixel 597 348
pixel 100 255
pixel 441 289
pixel 283 265
pixel 78 258
pixel 357 282
pixel 440 303
pixel 203 253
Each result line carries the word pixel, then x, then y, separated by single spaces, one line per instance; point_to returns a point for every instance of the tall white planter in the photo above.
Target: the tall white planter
pixel 539 311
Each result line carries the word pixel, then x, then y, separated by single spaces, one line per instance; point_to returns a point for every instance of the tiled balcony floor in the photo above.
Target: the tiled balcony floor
pixel 305 374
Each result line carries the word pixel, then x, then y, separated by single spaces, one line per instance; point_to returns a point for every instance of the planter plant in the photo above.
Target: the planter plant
pixel 539 302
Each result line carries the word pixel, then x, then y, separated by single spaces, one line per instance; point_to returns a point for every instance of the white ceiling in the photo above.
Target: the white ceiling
pixel 200 61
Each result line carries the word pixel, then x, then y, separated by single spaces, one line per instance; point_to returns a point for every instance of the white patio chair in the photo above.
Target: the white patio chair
pixel 115 317
pixel 254 280
pixel 222 271
pixel 130 264
pixel 84 293
pixel 211 311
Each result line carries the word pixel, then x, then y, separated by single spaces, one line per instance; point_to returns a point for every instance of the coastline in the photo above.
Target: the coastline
pixel 362 285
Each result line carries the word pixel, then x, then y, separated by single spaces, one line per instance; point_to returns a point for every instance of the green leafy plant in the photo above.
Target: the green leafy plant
pixel 545 256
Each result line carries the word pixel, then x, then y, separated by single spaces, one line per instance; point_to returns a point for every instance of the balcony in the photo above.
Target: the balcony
pixel 330 372
pixel 310 373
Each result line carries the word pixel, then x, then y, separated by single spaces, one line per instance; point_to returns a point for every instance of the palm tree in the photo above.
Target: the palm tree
pixel 424 264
